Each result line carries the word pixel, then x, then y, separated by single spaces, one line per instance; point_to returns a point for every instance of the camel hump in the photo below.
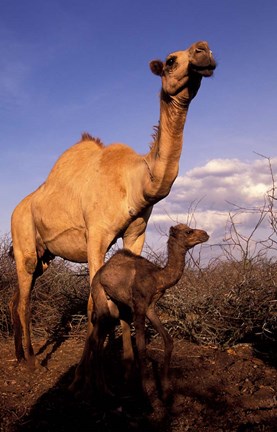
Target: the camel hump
pixel 87 137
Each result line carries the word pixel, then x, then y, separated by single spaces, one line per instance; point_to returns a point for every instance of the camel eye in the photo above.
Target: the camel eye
pixel 189 232
pixel 170 61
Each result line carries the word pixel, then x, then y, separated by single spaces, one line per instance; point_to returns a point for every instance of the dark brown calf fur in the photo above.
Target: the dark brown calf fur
pixel 128 287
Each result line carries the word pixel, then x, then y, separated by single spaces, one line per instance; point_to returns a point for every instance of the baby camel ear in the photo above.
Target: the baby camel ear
pixel 172 231
pixel 156 67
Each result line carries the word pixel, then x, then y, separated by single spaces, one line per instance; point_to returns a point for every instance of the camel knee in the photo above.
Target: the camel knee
pixel 34 264
pixel 30 262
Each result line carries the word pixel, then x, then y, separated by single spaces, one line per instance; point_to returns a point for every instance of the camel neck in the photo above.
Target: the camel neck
pixel 174 268
pixel 163 159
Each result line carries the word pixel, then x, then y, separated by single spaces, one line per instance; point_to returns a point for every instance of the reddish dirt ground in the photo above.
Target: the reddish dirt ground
pixel 212 390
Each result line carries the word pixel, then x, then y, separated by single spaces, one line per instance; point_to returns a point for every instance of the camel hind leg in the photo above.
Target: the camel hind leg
pixel 20 311
pixel 28 267
pixel 19 351
pixel 20 305
pixel 168 347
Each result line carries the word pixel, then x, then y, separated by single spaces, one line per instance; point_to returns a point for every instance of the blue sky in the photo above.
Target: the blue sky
pixel 68 66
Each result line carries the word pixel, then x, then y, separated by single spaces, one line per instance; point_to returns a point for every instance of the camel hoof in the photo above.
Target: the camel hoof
pixel 32 363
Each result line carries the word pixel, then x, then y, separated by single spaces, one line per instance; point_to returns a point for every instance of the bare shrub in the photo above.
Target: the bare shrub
pixel 8 280
pixel 225 304
pixel 59 299
pixel 234 298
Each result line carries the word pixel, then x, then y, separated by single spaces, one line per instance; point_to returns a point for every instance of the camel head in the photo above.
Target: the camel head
pixel 186 236
pixel 182 71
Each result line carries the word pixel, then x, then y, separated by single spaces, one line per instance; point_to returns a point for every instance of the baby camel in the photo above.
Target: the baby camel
pixel 128 287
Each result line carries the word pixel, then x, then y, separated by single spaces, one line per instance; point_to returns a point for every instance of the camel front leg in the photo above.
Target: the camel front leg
pixel 97 247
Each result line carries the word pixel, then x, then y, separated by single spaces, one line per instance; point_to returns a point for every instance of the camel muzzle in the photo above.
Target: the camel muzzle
pixel 205 70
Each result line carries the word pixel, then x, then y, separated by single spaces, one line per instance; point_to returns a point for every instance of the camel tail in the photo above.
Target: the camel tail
pixel 11 252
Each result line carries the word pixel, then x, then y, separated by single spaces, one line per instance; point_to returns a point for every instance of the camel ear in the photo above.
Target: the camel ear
pixel 156 67
pixel 172 231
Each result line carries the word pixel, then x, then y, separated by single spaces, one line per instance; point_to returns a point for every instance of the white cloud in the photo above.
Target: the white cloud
pixel 206 196
pixel 223 180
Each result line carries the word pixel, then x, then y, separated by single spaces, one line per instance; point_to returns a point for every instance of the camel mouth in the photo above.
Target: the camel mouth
pixel 205 71
pixel 204 238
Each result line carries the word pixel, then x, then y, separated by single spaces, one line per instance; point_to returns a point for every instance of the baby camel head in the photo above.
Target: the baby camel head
pixel 186 236
pixel 182 71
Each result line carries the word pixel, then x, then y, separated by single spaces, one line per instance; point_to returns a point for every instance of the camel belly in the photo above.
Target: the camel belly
pixel 60 227
pixel 69 245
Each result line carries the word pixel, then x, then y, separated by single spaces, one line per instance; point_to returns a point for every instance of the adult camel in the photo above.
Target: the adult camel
pixel 96 194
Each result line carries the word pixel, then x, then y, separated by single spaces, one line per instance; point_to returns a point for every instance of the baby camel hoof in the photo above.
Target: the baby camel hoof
pixel 74 387
pixel 166 396
pixel 78 386
pixel 146 406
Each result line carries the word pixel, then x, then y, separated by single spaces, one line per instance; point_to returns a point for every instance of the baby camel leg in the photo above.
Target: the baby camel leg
pixel 168 347
pixel 128 353
pixel 139 323
pixel 133 239
pixel 101 328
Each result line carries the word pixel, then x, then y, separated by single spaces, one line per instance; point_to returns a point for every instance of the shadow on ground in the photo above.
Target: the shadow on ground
pixel 201 401
pixel 213 390
pixel 58 410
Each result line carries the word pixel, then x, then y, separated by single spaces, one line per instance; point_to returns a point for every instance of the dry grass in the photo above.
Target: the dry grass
pixel 59 298
pixel 225 303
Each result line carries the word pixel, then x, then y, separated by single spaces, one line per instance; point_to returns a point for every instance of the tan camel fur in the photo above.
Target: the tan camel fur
pixel 128 286
pixel 96 194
